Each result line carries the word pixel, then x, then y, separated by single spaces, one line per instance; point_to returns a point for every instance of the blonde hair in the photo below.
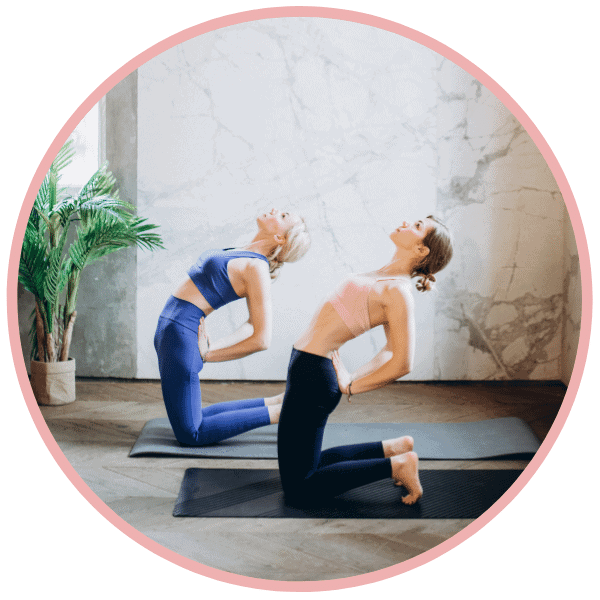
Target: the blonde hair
pixel 439 242
pixel 297 243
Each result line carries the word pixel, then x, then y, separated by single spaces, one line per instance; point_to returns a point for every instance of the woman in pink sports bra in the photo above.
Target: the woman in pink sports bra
pixel 317 377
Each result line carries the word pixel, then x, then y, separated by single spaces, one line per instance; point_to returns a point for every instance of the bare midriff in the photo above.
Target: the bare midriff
pixel 235 271
pixel 190 293
pixel 325 333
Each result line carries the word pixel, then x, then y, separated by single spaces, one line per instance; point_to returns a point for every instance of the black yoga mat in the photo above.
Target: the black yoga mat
pixel 248 493
pixel 492 438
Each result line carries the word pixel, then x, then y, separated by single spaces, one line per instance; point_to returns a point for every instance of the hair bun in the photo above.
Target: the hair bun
pixel 424 283
pixel 274 269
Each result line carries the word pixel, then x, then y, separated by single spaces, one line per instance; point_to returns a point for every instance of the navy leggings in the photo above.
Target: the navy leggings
pixel 179 362
pixel 309 475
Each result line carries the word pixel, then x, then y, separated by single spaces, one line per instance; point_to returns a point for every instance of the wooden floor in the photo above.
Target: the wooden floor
pixel 97 432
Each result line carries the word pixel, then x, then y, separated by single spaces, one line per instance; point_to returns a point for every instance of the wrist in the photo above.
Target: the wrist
pixel 204 356
pixel 352 385
pixel 205 359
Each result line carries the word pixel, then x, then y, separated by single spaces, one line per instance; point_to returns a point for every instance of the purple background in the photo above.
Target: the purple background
pixel 58 53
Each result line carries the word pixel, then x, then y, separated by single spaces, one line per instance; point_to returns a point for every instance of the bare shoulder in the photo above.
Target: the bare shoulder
pixel 248 276
pixel 397 295
pixel 257 265
pixel 256 270
pixel 244 265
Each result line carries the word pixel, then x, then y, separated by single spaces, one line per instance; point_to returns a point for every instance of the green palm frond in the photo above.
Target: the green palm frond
pixel 38 215
pixel 109 205
pixel 101 183
pixel 140 230
pixel 104 224
pixel 70 208
pixel 63 277
pixel 53 177
pixel 64 157
pixel 33 262
pixel 54 281
pixel 49 192
pixel 97 195
pixel 105 234
pixel 42 198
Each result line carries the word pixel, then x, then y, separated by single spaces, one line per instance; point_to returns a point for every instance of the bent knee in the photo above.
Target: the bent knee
pixel 295 488
pixel 187 435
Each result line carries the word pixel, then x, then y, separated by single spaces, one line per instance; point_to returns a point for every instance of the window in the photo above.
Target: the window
pixel 86 145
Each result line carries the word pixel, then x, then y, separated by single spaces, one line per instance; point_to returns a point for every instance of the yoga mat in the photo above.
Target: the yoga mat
pixel 493 438
pixel 257 493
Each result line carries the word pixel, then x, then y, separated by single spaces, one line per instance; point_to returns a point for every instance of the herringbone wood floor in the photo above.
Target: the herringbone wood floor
pixel 97 432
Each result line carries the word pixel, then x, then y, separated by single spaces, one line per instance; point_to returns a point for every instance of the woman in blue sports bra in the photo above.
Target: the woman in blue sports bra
pixel 217 278
pixel 317 378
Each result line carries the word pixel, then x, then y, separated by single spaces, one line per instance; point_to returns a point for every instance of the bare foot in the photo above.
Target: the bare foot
pixel 274 400
pixel 405 471
pixel 397 446
pixel 274 412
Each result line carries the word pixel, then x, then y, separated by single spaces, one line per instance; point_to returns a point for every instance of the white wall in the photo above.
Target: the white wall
pixel 356 129
pixel 499 315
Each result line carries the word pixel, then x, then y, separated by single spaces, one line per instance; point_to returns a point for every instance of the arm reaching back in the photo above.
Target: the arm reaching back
pixel 395 359
pixel 255 334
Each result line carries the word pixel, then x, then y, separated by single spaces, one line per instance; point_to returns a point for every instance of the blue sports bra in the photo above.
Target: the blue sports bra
pixel 209 274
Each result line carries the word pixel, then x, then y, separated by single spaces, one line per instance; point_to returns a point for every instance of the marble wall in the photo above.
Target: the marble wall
pixel 356 129
pixel 572 303
pixel 500 313
pixel 331 119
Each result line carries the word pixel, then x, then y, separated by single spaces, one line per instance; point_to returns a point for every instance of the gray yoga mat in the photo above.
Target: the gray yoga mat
pixel 493 438
pixel 257 493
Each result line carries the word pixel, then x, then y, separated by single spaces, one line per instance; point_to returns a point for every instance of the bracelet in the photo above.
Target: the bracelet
pixel 350 390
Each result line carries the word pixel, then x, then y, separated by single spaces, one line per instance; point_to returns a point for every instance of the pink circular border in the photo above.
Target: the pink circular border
pixel 502 95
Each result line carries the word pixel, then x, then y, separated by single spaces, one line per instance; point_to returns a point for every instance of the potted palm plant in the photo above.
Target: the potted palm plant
pixel 52 262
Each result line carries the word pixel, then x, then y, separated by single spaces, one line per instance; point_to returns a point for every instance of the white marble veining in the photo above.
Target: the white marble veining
pixel 500 315
pixel 355 128
pixel 327 118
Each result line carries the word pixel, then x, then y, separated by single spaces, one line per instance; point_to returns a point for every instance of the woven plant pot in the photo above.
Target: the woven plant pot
pixel 53 383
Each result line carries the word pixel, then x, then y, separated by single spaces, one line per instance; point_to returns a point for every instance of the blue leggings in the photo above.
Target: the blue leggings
pixel 309 475
pixel 179 362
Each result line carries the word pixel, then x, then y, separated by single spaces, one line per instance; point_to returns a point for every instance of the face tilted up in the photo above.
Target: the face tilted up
pixel 409 236
pixel 276 222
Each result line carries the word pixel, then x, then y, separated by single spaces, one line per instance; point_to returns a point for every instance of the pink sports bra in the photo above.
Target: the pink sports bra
pixel 351 302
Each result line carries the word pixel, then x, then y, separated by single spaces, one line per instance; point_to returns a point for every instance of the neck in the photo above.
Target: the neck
pixel 401 264
pixel 260 245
